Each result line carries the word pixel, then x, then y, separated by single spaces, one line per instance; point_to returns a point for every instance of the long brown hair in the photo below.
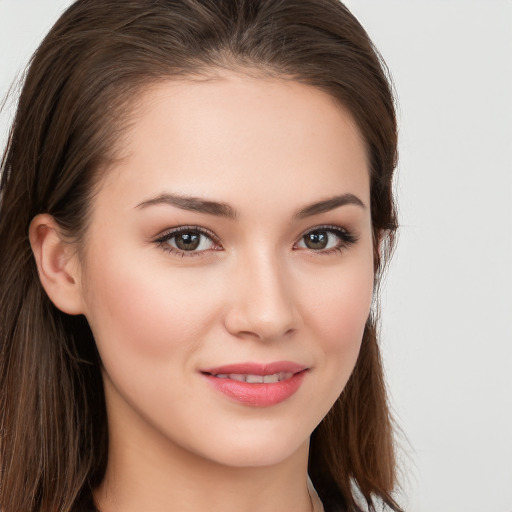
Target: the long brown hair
pixel 75 102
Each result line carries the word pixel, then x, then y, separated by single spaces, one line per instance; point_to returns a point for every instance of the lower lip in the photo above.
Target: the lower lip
pixel 258 395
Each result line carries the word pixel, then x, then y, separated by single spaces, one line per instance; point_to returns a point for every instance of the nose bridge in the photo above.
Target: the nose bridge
pixel 263 304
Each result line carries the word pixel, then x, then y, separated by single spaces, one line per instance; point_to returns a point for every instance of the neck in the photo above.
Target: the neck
pixel 146 471
pixel 140 482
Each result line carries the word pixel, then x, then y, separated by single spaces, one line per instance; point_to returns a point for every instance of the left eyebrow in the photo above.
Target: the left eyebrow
pixel 329 204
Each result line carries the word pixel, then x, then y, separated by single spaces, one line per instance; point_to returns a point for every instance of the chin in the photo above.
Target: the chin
pixel 259 450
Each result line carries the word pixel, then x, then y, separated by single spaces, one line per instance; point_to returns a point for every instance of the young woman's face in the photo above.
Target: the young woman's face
pixel 228 269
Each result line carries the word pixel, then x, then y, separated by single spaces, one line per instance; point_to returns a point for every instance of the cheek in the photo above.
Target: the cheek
pixel 335 314
pixel 147 328
pixel 144 315
pixel 338 312
pixel 345 317
pixel 339 308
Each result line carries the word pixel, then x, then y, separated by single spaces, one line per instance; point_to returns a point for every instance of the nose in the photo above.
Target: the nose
pixel 262 304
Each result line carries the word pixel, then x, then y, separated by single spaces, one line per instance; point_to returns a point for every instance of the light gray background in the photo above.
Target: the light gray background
pixel 447 308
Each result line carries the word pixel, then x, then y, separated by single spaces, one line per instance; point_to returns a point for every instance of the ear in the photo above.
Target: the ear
pixel 57 264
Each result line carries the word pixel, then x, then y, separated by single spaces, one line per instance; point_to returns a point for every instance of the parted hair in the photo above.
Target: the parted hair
pixel 80 88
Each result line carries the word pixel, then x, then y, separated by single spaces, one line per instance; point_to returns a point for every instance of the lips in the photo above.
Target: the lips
pixel 256 379
pixel 257 385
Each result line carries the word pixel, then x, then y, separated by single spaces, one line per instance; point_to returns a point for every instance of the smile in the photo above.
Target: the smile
pixel 256 379
pixel 257 385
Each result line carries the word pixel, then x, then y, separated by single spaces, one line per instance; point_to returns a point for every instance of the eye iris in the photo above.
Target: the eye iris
pixel 187 241
pixel 316 240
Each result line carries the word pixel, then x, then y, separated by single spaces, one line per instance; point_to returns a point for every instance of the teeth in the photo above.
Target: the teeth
pixel 256 379
pixel 237 376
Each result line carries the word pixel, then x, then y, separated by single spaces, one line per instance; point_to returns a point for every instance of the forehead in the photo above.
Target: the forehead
pixel 234 133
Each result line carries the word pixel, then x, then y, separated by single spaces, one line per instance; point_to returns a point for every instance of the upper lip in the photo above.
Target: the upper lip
pixel 250 368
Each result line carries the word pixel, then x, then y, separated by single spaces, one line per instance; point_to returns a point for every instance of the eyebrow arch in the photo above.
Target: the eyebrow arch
pixel 328 205
pixel 225 210
pixel 194 204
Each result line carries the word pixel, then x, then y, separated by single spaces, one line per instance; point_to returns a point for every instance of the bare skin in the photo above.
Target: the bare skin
pixel 258 286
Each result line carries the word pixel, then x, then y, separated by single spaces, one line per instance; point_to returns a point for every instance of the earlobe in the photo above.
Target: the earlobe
pixel 57 264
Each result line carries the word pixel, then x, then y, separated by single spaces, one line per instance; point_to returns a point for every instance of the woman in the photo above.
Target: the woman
pixel 196 206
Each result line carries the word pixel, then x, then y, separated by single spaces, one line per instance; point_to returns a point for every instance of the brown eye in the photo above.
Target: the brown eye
pixel 188 241
pixel 316 240
pixel 325 239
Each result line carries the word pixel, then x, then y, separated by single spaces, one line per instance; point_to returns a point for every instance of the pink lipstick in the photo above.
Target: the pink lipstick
pixel 257 385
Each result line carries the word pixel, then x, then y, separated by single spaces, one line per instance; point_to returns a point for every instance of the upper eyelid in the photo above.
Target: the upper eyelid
pixel 327 227
pixel 208 232
pixel 163 238
pixel 347 236
pixel 168 233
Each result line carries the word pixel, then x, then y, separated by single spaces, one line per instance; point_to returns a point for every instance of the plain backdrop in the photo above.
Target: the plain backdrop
pixel 447 299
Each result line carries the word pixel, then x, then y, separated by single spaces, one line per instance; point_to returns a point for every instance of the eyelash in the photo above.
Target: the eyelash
pixel 162 240
pixel 346 239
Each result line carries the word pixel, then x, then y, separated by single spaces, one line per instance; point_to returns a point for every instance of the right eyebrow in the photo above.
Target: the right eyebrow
pixel 329 204
pixel 194 204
